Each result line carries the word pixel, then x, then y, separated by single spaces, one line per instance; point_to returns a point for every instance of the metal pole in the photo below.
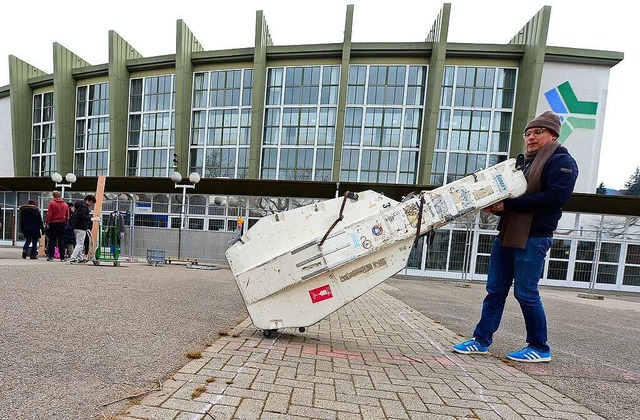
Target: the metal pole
pixel 467 256
pixel 184 199
pixel 596 261
pixel 132 221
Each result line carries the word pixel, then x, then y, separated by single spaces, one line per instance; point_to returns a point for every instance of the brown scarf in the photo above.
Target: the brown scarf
pixel 516 226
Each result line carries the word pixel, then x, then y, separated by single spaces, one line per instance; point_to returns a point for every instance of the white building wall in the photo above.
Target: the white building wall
pixel 6 145
pixel 590 85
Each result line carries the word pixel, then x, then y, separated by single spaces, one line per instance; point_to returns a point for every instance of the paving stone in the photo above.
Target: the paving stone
pixel 249 409
pixel 277 403
pixel 394 409
pixel 147 412
pixel 412 402
pixel 186 405
pixel 371 412
pixel 312 412
pixel 335 405
pixel 221 412
pixel 325 392
pixel 190 416
pixel 362 362
pixel 246 393
pixel 302 397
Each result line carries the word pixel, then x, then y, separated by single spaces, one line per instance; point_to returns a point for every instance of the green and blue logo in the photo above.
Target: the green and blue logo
pixel 573 113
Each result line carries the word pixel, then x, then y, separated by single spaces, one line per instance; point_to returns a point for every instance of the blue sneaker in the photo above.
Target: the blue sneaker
pixel 470 347
pixel 530 355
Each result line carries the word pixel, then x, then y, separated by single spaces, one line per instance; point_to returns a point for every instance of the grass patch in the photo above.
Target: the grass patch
pixel 198 391
pixel 194 354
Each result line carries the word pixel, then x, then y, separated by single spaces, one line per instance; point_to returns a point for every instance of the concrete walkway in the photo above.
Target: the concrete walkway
pixel 375 358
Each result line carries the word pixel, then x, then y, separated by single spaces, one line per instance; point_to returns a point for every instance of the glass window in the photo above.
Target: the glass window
pixel 475 118
pixel 43 136
pixel 92 130
pixel 221 128
pixel 300 122
pixel 151 131
pixel 383 123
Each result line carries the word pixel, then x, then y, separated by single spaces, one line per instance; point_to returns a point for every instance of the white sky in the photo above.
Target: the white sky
pixel 29 29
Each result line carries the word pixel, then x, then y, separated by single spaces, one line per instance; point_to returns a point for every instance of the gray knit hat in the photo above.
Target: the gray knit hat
pixel 547 120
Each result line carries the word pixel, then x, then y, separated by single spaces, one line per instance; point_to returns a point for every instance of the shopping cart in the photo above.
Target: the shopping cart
pixel 108 246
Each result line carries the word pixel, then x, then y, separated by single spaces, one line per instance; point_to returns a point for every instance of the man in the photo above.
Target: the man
pixel 57 219
pixel 80 223
pixel 31 227
pixel 69 234
pixel 525 233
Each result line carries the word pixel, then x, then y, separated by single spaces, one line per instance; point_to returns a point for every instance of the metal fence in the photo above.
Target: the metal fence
pixel 601 255
pixel 588 250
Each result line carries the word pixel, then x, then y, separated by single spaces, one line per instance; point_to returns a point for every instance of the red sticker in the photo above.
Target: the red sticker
pixel 320 294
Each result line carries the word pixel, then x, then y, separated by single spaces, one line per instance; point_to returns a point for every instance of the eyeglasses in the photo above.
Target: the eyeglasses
pixel 535 132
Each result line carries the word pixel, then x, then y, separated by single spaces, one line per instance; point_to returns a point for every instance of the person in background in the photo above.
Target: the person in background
pixel 56 221
pixel 69 234
pixel 525 235
pixel 32 227
pixel 81 221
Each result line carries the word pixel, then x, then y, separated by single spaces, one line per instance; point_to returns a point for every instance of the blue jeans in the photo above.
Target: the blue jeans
pixel 523 268
pixel 33 242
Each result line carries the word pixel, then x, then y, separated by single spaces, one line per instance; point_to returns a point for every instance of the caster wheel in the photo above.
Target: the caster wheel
pixel 116 264
pixel 267 333
pixel 302 329
pixel 96 263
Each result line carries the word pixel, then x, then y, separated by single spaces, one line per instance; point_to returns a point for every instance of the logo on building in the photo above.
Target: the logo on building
pixel 574 114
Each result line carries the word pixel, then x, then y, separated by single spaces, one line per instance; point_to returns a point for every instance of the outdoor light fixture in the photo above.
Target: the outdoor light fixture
pixel 57 178
pixel 176 177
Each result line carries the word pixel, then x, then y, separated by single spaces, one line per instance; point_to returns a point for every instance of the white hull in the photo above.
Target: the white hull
pixel 288 277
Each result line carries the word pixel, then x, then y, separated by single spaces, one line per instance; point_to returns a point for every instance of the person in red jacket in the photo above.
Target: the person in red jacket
pixel 56 221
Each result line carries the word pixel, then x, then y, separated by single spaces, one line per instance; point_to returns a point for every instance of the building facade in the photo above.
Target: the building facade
pixel 414 113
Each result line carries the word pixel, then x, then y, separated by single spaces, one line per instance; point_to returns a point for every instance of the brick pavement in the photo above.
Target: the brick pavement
pixel 375 358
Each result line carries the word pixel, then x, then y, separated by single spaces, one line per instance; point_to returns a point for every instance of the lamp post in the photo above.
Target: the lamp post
pixel 57 178
pixel 176 178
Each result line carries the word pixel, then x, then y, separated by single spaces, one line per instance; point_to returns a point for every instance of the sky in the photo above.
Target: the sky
pixel 29 29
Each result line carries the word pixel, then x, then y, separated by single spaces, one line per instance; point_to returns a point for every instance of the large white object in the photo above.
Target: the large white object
pixel 291 273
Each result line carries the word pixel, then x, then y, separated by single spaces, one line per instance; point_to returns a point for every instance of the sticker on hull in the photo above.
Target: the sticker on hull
pixel 320 293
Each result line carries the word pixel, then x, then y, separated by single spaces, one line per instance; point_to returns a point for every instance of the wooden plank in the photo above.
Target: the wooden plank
pixel 97 214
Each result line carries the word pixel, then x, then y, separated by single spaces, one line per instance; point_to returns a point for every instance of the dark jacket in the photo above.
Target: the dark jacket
pixel 30 221
pixel 81 216
pixel 557 181
pixel 69 234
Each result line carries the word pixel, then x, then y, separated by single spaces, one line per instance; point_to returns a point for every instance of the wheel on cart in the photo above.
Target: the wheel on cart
pixel 267 333
pixel 96 262
pixel 116 263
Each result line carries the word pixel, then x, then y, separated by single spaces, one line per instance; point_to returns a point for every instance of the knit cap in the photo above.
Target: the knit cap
pixel 547 120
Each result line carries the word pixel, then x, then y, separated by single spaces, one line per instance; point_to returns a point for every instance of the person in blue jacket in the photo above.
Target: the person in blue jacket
pixel 32 227
pixel 526 229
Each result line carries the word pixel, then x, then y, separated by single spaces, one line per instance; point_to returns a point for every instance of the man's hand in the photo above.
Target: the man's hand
pixel 495 208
